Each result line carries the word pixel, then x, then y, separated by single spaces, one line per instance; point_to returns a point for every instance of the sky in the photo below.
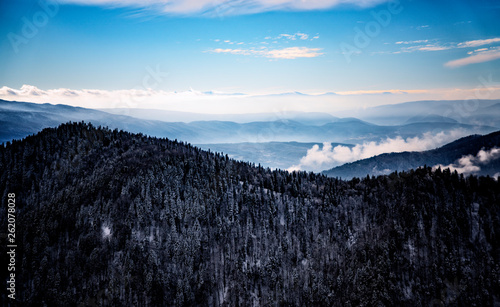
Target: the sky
pixel 219 56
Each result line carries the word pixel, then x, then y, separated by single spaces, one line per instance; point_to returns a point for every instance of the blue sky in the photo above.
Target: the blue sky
pixel 435 49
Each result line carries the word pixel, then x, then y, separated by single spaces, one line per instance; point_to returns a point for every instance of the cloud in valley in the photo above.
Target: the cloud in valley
pixel 472 164
pixel 319 159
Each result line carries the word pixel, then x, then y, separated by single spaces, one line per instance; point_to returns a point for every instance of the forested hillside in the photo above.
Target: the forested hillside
pixel 112 218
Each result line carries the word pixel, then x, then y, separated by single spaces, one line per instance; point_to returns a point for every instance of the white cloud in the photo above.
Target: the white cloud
pixel 233 51
pixel 327 157
pixel 486 157
pixel 424 46
pixel 285 53
pixel 479 42
pixel 477 50
pixel 294 52
pixel 295 36
pixel 428 47
pixel 472 164
pixel 480 56
pixel 412 42
pixel 288 36
pixel 215 8
pixel 464 165
pixel 302 36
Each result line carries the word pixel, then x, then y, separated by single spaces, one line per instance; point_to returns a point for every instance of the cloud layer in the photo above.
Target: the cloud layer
pixel 217 8
pixel 327 157
pixel 222 102
pixel 472 164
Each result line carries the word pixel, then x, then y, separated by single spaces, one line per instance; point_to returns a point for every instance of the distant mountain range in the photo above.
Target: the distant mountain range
pixel 306 118
pixel 272 140
pixel 19 119
pixel 446 155
pixel 472 112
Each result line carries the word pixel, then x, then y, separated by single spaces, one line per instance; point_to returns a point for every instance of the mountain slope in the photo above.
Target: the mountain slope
pixel 112 218
pixel 448 154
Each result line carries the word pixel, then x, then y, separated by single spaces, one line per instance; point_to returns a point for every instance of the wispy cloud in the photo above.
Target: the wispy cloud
pixel 227 41
pixel 292 37
pixel 424 27
pixel 479 42
pixel 462 23
pixel 412 42
pixel 428 47
pixel 284 53
pixel 434 45
pixel 284 37
pixel 216 8
pixel 423 45
pixel 479 56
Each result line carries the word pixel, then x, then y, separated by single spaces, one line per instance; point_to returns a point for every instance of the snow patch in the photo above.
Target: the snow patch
pixel 106 232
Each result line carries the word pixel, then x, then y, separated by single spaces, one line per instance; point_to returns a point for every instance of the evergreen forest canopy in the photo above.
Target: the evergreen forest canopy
pixel 106 217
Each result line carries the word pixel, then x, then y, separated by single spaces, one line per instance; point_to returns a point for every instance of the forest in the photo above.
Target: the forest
pixel 110 218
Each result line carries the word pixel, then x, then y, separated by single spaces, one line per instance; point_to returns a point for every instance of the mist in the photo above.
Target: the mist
pixel 319 159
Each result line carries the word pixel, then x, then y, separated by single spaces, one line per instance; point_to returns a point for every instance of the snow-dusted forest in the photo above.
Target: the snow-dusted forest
pixel 112 218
